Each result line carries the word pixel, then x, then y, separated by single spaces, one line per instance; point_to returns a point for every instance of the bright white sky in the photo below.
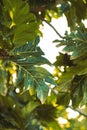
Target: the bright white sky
pixel 50 35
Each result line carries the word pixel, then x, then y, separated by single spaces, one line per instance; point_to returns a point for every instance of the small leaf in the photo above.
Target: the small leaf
pixel 50 80
pixel 63 98
pixel 3 86
pixel 32 60
pixel 85 92
pixel 29 108
pixel 3 82
pixel 19 76
pixel 28 82
pixel 42 91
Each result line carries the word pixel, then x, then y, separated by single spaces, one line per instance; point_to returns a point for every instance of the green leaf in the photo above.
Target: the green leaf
pixel 21 23
pixel 32 60
pixel 63 60
pixel 49 79
pixel 13 7
pixel 75 42
pixel 30 73
pixel 40 73
pixel 28 82
pixel 26 111
pixel 79 51
pixel 28 49
pixel 3 83
pixel 19 76
pixel 77 97
pixel 63 99
pixel 25 34
pixel 42 91
pixel 54 125
pixel 77 89
pixel 84 101
pixel 3 86
pixel 64 7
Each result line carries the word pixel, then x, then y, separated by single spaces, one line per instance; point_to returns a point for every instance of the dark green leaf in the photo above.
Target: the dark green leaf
pixel 63 99
pixel 42 91
pixel 26 111
pixel 28 82
pixel 49 79
pixel 25 34
pixel 3 83
pixel 19 76
pixel 20 21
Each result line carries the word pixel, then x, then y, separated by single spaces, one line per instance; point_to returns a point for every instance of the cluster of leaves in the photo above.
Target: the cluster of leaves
pixel 26 117
pixel 17 27
pixel 44 9
pixel 20 69
pixel 75 11
pixel 31 80
pixel 74 63
pixel 24 83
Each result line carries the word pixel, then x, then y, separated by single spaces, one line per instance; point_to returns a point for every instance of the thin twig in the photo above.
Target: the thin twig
pixel 52 27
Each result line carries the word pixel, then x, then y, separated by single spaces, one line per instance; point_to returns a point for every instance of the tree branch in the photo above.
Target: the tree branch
pixel 77 110
pixel 52 27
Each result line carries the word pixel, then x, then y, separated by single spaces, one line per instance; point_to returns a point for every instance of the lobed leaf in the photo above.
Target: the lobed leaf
pixel 30 75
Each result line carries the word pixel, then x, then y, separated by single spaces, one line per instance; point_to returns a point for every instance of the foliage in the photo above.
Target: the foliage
pixel 74 11
pixel 31 98
pixel 74 76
